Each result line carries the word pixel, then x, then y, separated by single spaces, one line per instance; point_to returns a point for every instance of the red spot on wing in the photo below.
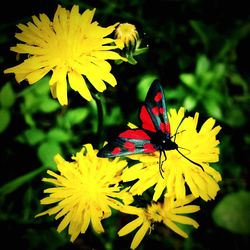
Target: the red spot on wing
pixel 147 122
pixel 116 150
pixel 161 110
pixel 165 127
pixel 158 97
pixel 134 134
pixel 130 146
pixel 155 110
pixel 148 148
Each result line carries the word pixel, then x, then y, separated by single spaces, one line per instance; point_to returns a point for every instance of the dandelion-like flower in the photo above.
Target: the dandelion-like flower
pixel 200 147
pixel 85 191
pixel 169 213
pixel 73 47
pixel 128 35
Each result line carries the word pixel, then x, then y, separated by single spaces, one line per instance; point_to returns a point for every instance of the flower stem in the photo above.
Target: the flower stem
pixel 100 118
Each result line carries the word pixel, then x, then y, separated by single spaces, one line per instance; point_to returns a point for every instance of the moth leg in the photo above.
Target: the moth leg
pixel 161 162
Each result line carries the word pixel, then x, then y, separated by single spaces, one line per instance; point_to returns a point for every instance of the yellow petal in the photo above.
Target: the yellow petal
pixel 140 235
pixel 59 79
pixel 184 220
pixel 131 226
pixel 175 228
pixel 96 221
pixel 37 75
pixel 96 81
pixel 87 16
pixel 78 83
pixel 186 209
pixel 65 221
pixel 85 221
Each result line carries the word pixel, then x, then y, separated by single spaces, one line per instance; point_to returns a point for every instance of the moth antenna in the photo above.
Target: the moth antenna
pixel 195 163
pixel 176 133
pixel 185 149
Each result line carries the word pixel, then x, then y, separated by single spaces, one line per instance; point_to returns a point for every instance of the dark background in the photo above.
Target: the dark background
pixel 208 40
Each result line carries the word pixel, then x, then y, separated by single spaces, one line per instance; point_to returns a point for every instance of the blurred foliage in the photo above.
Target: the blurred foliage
pixel 224 213
pixel 200 52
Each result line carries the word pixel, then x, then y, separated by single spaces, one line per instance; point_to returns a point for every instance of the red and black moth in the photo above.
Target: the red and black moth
pixel 153 133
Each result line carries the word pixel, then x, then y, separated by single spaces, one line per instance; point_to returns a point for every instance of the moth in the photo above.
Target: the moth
pixel 153 133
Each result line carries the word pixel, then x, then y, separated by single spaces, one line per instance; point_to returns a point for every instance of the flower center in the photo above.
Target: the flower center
pixel 154 213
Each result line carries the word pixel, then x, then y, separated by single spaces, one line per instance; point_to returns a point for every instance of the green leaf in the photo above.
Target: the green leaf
pixel 41 87
pixel 235 117
pixel 48 105
pixel 31 103
pixel 143 85
pixel 247 139
pixel 238 80
pixel 140 51
pixel 131 60
pixel 75 116
pixel 34 135
pixel 4 119
pixel 212 107
pixel 202 30
pixel 219 71
pixel 202 66
pixel 11 186
pixel 7 96
pixel 29 119
pixel 58 135
pixel 47 151
pixel 207 79
pixel 190 103
pixel 114 116
pixel 189 80
pixel 232 213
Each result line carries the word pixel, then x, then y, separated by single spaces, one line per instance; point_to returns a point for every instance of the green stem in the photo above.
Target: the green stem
pixel 100 118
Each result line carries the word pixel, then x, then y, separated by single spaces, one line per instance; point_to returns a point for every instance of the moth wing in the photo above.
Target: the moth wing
pixel 153 113
pixel 131 141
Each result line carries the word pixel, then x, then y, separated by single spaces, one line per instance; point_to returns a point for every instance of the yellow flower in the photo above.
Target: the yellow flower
pixel 85 191
pixel 200 147
pixel 73 47
pixel 169 212
pixel 128 35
